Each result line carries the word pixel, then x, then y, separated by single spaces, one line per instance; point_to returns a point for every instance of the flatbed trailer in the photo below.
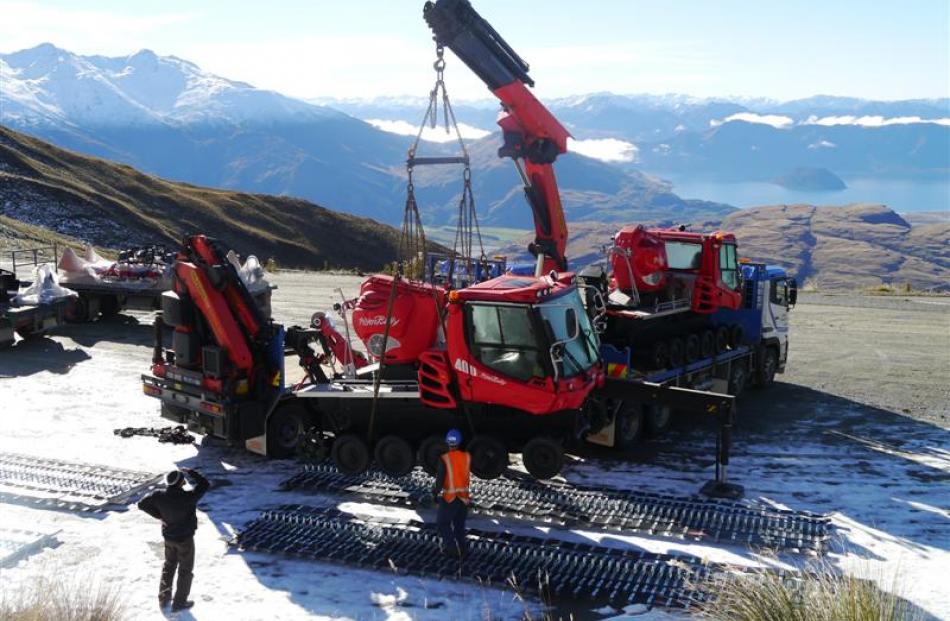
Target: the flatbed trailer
pixel 30 320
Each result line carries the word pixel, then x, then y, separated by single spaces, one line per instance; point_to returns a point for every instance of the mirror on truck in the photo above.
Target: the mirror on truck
pixel 792 292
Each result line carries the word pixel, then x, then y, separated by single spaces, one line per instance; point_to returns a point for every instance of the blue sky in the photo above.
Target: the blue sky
pixel 361 48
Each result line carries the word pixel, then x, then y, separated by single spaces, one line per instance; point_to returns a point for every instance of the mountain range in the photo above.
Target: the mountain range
pixel 732 139
pixel 166 116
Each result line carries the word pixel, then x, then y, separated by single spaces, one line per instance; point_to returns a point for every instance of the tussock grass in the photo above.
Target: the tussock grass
pixel 59 599
pixel 819 594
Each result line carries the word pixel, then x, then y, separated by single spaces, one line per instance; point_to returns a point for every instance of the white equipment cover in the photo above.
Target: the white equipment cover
pixel 45 288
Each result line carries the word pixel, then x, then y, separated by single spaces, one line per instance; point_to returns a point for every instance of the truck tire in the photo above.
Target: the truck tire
pixel 78 310
pixel 629 426
pixel 489 457
pixel 767 368
pixel 735 336
pixel 677 352
pixel 659 355
pixel 350 454
pixel 394 456
pixel 543 457
pixel 738 378
pixel 707 344
pixel 657 419
pixel 430 452
pixel 285 430
pixel 109 306
pixel 692 348
pixel 722 339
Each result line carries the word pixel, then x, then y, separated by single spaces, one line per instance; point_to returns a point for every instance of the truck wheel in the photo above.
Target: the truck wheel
pixel 735 336
pixel 430 452
pixel 543 457
pixel 313 446
pixel 109 306
pixel 692 348
pixel 394 456
pixel 722 339
pixel 707 344
pixel 738 376
pixel 350 454
pixel 629 426
pixel 657 419
pixel 677 352
pixel 659 355
pixel 78 310
pixel 767 368
pixel 285 430
pixel 489 457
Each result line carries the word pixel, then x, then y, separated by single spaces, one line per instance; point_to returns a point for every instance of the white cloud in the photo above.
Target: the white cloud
pixel 777 121
pixel 404 128
pixel 871 120
pixel 604 149
pixel 822 144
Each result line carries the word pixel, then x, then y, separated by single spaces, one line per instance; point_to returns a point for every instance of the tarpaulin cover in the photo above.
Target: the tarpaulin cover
pixel 45 288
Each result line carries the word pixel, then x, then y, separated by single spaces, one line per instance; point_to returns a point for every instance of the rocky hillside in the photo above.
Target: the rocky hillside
pixel 113 205
pixel 847 247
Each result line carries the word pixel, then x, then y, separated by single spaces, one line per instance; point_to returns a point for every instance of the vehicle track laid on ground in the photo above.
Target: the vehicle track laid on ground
pixel 559 568
pixel 602 508
pixel 68 485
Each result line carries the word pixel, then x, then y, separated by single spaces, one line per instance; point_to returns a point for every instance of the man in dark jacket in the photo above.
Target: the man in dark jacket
pixel 175 507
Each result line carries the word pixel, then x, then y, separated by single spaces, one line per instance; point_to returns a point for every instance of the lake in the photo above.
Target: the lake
pixel 899 195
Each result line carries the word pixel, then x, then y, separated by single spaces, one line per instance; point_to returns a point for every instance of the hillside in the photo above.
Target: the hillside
pixel 842 248
pixel 114 205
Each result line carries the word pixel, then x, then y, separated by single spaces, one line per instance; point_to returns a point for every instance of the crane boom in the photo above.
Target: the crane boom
pixel 531 133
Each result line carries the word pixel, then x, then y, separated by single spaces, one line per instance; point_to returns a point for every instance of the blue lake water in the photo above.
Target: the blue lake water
pixel 899 195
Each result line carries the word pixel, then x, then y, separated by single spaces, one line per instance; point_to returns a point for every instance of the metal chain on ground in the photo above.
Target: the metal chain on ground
pixel 602 508
pixel 560 569
pixel 70 484
pixel 165 435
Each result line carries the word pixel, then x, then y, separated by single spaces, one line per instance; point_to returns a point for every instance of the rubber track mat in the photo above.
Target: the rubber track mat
pixel 68 485
pixel 565 569
pixel 602 508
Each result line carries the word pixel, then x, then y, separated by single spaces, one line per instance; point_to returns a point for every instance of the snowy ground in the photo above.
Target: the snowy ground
pixel 833 435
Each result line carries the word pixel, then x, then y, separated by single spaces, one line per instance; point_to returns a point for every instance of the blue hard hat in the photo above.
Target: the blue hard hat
pixel 453 437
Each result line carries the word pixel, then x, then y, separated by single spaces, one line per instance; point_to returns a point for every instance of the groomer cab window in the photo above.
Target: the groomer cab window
pixel 505 338
pixel 729 266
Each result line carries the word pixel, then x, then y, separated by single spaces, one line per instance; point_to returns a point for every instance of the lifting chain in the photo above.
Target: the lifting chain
pixel 412 249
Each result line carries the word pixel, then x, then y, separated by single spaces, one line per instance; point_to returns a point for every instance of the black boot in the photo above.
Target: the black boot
pixel 182 605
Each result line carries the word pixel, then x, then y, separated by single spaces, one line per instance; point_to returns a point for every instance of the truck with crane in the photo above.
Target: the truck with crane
pixel 534 364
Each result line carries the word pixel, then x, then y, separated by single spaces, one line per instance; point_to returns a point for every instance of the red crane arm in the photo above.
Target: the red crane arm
pixel 531 133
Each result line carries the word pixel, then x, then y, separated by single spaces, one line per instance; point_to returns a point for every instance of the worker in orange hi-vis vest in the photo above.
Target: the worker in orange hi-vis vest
pixel 453 496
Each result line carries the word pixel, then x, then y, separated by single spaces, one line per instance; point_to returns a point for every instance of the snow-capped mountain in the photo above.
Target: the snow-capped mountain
pixel 46 85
